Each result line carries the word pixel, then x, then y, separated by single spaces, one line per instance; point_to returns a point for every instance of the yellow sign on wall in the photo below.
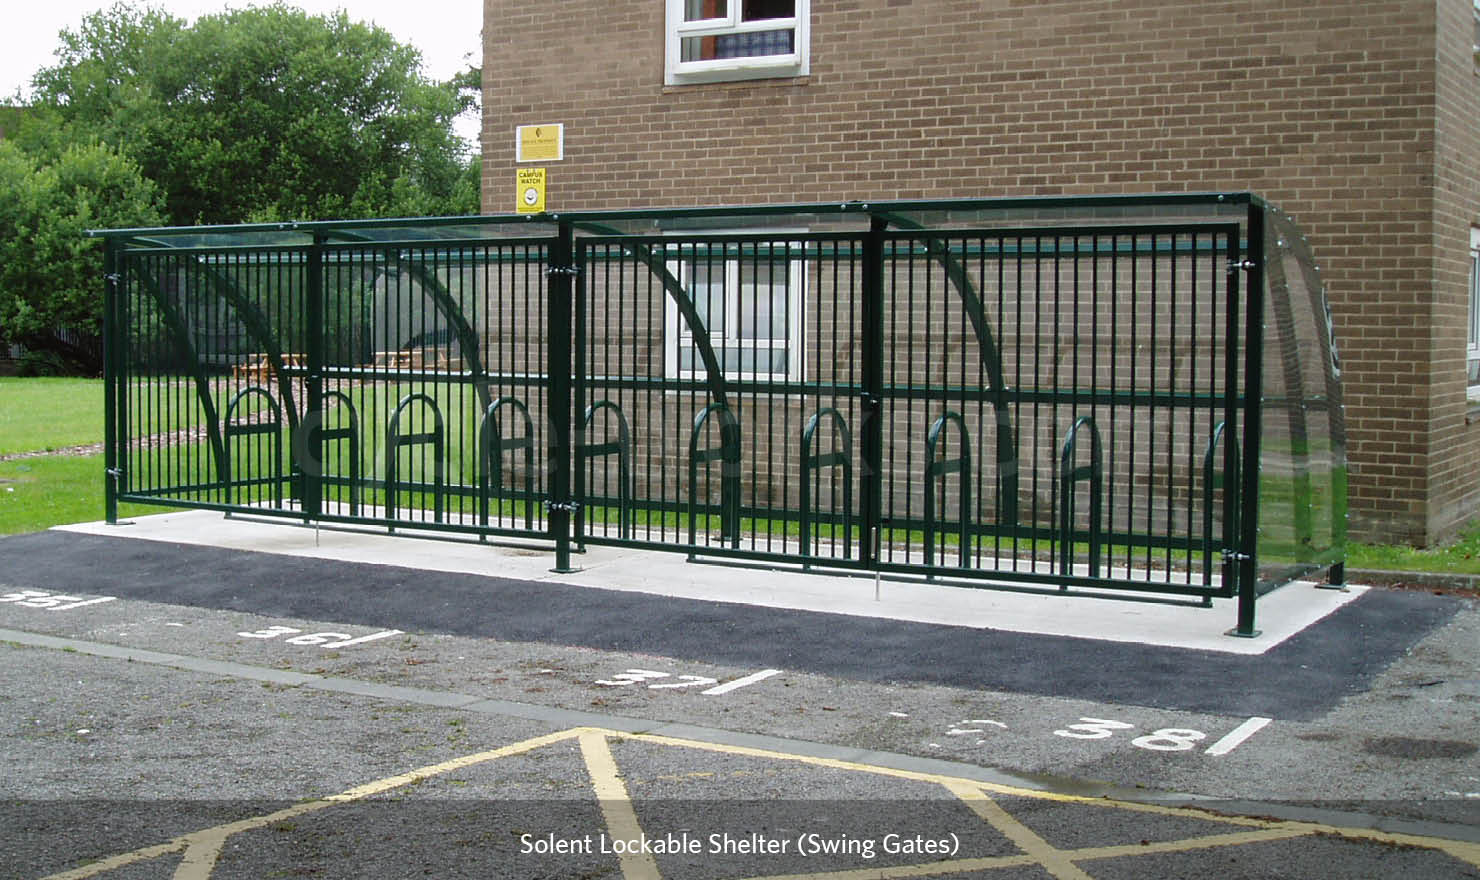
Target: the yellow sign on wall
pixel 539 143
pixel 530 190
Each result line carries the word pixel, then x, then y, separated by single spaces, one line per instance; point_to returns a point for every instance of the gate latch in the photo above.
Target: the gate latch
pixel 1246 265
pixel 114 473
pixel 1234 556
pixel 570 271
pixel 567 506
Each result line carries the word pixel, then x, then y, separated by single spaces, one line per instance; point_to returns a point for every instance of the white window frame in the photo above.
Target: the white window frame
pixel 1472 342
pixel 676 71
pixel 677 334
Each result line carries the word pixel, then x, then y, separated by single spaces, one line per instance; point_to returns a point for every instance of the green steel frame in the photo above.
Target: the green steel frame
pixel 977 340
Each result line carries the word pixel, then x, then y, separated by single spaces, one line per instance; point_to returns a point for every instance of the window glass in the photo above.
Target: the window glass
pixel 703 10
pixel 717 40
pixel 1472 348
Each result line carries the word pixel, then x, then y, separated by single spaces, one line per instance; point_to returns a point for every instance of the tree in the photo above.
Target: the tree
pixel 260 114
pixel 51 273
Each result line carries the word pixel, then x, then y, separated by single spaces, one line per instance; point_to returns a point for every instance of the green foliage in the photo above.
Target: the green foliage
pixel 260 114
pixel 50 272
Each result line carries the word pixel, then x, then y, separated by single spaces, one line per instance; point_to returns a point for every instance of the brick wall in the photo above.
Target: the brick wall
pixel 1455 440
pixel 1326 107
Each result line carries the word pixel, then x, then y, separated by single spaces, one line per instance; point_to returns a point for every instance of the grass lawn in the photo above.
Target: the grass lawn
pixel 1461 556
pixel 37 414
pixel 38 493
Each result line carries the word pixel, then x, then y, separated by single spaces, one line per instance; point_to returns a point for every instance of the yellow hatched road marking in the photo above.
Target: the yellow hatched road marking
pixel 1023 837
pixel 616 805
pixel 202 849
pixel 200 856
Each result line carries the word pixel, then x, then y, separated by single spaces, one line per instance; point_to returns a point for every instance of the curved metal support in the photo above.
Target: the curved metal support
pixel 490 467
pixel 658 265
pixel 274 428
pixel 350 433
pixel 991 360
pixel 1093 473
pixel 727 453
pixel 203 391
pixel 935 470
pixel 1225 478
pixel 258 327
pixel 395 441
pixel 467 339
pixel 622 449
pixel 838 457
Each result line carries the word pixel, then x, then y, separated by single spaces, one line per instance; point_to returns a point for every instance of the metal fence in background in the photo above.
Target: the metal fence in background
pixel 1054 394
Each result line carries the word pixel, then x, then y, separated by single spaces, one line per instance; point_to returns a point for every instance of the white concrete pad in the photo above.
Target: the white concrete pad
pixel 1280 614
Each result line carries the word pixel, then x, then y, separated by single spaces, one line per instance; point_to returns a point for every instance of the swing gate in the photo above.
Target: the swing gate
pixel 1088 394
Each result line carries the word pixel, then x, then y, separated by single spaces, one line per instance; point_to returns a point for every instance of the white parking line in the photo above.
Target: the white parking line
pixel 1236 736
pixel 741 682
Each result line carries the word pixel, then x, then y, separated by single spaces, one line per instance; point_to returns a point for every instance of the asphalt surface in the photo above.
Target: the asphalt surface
pixel 190 712
pixel 1300 679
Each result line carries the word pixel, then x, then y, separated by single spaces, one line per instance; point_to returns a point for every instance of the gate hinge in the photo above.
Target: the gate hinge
pixel 571 271
pixel 567 506
pixel 1246 265
pixel 113 277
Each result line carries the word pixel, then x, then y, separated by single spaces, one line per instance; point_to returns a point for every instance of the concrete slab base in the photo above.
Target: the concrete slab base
pixel 1281 614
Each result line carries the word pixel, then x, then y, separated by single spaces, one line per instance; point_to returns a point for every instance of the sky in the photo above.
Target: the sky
pixel 447 32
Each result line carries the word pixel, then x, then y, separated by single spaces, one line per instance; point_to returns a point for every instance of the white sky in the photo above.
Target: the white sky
pixel 447 32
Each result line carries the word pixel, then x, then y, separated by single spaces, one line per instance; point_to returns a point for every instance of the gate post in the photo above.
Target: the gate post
pixel 308 453
pixel 1247 552
pixel 871 429
pixel 111 381
pixel 558 344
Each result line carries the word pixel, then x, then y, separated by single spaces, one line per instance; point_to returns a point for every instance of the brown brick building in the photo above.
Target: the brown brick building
pixel 1362 120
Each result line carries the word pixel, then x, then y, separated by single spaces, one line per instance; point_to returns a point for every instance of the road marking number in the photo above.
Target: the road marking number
pixel 1093 728
pixel 641 676
pixel 1166 739
pixel 318 639
pixel 49 601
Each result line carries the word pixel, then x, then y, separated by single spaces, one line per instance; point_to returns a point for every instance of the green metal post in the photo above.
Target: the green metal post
pixel 309 467
pixel 558 365
pixel 1253 393
pixel 871 409
pixel 111 381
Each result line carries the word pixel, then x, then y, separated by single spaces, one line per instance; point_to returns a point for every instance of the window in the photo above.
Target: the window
pixel 714 40
pixel 1472 351
pixel 748 295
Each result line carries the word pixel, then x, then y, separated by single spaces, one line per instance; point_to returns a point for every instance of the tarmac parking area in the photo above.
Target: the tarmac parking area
pixel 229 771
pixel 172 711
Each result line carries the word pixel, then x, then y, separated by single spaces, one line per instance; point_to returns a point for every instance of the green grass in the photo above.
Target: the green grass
pixel 44 414
pixel 1461 556
pixel 38 493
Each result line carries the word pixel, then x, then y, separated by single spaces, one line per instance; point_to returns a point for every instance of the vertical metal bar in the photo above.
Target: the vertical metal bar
pixel 871 430
pixel 1153 342
pixel 558 364
pixel 578 403
pixel 309 454
pixel 111 380
pixel 1248 562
